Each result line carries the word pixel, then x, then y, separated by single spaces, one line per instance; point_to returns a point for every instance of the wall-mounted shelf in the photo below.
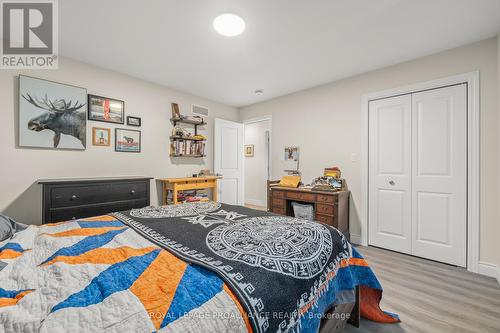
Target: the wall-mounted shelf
pixel 187 121
pixel 184 138
pixel 186 155
pixel 186 146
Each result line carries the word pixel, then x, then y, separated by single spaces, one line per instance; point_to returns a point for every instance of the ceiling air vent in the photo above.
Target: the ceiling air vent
pixel 199 110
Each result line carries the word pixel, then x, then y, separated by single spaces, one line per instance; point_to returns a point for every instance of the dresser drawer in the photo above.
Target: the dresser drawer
pixel 279 211
pixel 326 219
pixel 65 214
pixel 278 194
pixel 324 209
pixel 78 195
pixel 279 203
pixel 301 196
pixel 327 199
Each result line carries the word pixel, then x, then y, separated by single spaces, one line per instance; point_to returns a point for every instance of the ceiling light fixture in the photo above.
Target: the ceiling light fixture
pixel 259 92
pixel 229 25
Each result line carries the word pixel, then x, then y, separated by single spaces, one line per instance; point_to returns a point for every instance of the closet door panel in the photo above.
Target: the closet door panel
pixel 389 209
pixel 439 158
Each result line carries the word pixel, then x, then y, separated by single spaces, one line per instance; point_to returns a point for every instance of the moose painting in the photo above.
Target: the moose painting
pixel 51 114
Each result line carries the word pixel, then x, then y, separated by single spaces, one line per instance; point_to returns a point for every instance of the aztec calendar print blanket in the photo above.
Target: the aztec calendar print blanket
pixel 101 274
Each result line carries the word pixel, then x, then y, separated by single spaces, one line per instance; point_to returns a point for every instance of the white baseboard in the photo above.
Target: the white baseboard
pixel 488 269
pixel 256 202
pixel 356 239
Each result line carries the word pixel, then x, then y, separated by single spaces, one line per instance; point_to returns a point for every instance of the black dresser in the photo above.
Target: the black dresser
pixel 67 199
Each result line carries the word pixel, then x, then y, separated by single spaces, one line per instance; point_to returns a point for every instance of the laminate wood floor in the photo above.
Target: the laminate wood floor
pixel 431 297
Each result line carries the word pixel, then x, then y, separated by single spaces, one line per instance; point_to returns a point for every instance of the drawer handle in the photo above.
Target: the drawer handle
pixel 132 192
pixel 74 197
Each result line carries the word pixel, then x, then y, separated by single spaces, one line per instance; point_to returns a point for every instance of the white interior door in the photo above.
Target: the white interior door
pixel 439 161
pixel 228 161
pixel 390 173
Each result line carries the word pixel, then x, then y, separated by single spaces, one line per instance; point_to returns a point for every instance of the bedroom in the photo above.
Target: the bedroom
pixel 112 106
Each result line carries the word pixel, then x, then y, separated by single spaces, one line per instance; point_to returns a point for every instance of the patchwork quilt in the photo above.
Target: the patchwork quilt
pixel 100 275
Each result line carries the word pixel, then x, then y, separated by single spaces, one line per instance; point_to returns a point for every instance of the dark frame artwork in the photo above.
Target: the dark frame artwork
pixel 97 106
pixel 127 146
pixel 131 119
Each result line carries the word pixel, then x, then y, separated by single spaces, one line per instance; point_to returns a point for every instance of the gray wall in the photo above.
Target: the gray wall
pixel 21 167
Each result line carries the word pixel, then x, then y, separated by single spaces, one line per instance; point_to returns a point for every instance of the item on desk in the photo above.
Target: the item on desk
pixel 290 181
pixel 205 173
pixel 332 172
pixel 330 184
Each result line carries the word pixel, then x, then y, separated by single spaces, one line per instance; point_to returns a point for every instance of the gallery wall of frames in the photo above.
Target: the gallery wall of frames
pixel 54 115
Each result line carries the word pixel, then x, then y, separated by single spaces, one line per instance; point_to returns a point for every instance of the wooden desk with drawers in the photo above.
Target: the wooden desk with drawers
pixel 329 207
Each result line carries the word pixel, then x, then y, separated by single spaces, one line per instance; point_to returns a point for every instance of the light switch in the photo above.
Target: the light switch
pixel 354 157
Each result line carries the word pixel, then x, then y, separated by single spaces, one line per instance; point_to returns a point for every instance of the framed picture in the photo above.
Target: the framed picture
pixel 291 153
pixel 133 121
pixel 249 150
pixel 106 109
pixel 127 140
pixel 51 114
pixel 176 114
pixel 101 136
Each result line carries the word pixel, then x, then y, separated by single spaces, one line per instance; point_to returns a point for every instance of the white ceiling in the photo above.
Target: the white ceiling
pixel 288 45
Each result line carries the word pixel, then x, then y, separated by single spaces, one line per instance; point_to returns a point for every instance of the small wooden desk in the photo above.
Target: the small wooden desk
pixel 330 207
pixel 190 183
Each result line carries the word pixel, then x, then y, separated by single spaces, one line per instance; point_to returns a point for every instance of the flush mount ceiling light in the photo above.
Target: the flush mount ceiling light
pixel 229 25
pixel 259 92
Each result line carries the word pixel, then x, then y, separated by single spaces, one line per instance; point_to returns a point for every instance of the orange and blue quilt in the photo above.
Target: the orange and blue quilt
pixel 97 274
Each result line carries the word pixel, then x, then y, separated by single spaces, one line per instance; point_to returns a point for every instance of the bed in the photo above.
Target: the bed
pixel 197 267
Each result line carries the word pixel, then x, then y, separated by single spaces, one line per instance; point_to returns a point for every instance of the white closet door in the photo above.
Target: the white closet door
pixel 390 173
pixel 439 159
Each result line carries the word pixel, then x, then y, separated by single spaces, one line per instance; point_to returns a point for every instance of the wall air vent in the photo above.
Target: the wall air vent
pixel 199 110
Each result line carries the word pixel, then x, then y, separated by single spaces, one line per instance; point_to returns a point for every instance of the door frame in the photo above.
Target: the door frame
pixel 473 157
pixel 269 159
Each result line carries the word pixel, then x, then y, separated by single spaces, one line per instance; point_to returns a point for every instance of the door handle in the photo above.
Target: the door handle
pixel 392 182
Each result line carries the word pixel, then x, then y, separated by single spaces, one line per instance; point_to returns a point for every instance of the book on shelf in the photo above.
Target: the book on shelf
pixel 185 147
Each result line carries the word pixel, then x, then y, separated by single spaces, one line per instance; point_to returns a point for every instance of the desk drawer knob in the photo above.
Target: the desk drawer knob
pixel 74 197
pixel 132 192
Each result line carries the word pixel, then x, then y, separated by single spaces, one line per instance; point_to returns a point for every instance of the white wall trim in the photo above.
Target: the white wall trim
pixel 258 119
pixel 473 149
pixel 488 269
